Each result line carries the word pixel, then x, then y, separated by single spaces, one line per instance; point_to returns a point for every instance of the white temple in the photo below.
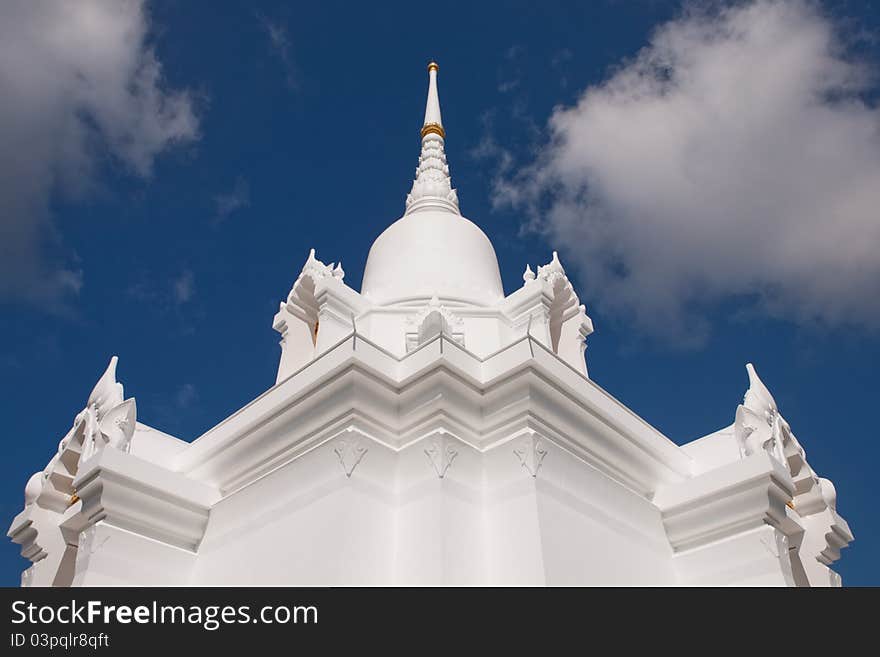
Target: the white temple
pixel 429 430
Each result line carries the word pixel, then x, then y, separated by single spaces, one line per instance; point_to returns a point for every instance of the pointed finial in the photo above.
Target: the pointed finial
pixel 107 392
pixel 758 396
pixel 528 274
pixel 433 121
pixel 432 187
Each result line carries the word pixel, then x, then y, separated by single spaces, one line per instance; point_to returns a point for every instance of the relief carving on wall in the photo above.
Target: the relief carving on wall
pixel 531 453
pixel 350 452
pixel 441 453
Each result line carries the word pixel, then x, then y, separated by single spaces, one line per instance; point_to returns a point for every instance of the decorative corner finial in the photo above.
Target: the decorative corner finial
pixel 758 396
pixel 552 271
pixel 107 392
pixel 433 66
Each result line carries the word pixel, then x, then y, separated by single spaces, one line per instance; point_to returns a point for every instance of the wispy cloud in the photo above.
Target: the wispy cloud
pixel 509 74
pixel 229 202
pixel 184 287
pixel 279 41
pixel 507 86
pixel 186 396
pixel 164 294
pixel 489 151
pixel 559 61
pixel 560 57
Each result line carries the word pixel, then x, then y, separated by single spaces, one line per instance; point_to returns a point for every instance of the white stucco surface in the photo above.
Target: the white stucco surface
pixel 410 261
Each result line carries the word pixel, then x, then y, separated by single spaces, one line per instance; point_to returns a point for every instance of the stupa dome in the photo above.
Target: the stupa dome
pixel 432 252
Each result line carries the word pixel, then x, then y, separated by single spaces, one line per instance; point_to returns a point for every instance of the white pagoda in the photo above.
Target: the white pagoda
pixel 429 430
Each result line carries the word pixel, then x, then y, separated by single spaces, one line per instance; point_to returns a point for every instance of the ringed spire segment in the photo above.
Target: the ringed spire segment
pixel 432 187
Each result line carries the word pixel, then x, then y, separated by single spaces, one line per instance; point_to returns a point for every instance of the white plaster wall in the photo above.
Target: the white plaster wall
pixel 482 335
pixel 758 557
pixel 388 330
pixel 156 446
pixel 110 556
pixel 440 536
pixel 570 525
pixel 596 532
pixel 713 451
pixel 306 523
pixel 486 521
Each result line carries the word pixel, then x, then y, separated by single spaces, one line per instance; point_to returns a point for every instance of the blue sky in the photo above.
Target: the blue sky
pixel 160 191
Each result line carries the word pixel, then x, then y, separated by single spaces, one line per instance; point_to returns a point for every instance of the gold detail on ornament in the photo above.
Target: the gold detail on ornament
pixel 433 128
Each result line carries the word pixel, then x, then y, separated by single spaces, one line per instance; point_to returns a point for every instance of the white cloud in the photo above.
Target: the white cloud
pixel 735 158
pixel 78 80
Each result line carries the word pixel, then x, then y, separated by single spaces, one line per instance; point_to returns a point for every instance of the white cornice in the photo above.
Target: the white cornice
pixel 138 496
pixel 729 500
pixel 483 400
pixel 23 531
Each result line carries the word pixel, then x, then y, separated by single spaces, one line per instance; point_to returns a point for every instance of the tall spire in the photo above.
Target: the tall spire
pixel 433 122
pixel 432 187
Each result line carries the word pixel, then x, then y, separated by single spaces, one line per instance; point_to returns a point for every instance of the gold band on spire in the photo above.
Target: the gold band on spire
pixel 433 128
pixel 433 67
